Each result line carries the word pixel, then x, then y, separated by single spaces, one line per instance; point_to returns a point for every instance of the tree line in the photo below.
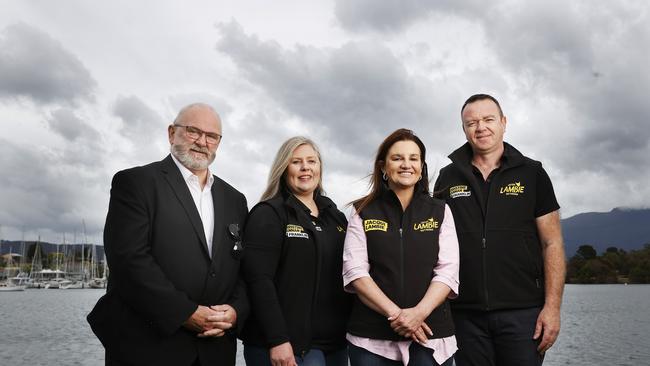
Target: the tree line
pixel 613 266
pixel 586 266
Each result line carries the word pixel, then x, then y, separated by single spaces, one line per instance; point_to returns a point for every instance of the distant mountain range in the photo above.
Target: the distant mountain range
pixel 16 247
pixel 624 228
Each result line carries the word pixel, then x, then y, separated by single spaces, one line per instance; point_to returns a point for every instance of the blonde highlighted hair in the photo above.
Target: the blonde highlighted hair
pixel 281 162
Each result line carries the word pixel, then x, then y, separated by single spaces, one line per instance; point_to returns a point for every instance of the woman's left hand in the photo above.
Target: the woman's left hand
pixel 408 321
pixel 422 334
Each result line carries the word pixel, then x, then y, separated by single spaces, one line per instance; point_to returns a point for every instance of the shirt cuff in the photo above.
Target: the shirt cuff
pixel 350 276
pixel 451 283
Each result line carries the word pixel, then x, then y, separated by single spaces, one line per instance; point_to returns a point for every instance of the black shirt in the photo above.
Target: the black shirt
pixel 326 232
pixel 484 183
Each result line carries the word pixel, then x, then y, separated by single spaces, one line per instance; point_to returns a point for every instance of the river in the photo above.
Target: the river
pixel 601 325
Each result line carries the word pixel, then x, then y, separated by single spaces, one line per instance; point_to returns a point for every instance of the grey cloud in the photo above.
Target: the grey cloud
pixel 34 65
pixel 357 93
pixel 595 69
pixel 395 15
pixel 144 130
pixel 48 192
pixel 181 100
pixel 71 127
pixel 139 120
pixel 383 15
pixel 587 58
pixel 83 148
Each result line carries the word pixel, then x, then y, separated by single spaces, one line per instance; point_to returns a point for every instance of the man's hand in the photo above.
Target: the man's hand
pixel 547 326
pixel 198 321
pixel 224 319
pixel 282 355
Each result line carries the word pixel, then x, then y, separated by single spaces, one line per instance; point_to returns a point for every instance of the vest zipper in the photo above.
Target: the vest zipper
pixel 485 289
pixel 484 245
pixel 475 184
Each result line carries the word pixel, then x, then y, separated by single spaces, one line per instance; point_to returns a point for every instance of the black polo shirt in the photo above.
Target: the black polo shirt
pixel 326 233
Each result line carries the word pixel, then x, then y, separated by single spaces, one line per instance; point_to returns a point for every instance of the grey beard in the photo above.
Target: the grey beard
pixel 188 160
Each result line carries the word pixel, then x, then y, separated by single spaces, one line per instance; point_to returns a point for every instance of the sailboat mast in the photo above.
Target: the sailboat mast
pixel 83 253
pixel 22 251
pixel 64 259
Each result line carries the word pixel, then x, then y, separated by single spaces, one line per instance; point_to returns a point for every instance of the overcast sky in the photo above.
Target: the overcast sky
pixel 88 88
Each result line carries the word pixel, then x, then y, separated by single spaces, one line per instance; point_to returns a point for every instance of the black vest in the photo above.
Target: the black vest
pixel 298 278
pixel 501 261
pixel 402 252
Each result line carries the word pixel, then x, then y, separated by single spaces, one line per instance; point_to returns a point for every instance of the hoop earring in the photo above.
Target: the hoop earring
pixel 384 176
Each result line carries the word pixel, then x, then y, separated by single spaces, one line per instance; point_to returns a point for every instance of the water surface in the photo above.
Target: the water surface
pixel 601 325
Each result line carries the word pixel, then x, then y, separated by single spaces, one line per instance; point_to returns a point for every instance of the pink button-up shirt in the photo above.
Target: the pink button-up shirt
pixel 356 265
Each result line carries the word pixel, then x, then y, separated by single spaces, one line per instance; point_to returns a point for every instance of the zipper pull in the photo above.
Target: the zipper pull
pixel 483 241
pixel 400 232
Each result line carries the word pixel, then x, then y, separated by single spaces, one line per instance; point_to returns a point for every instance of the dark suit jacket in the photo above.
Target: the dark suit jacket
pixel 160 269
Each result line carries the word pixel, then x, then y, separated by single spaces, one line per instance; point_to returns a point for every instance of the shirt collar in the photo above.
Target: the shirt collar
pixel 510 157
pixel 189 176
pixel 323 203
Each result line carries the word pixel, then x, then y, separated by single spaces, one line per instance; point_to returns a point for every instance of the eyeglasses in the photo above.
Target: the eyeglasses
pixel 195 133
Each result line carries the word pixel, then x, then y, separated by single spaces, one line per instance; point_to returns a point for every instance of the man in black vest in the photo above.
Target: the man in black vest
pixel 173 245
pixel 512 265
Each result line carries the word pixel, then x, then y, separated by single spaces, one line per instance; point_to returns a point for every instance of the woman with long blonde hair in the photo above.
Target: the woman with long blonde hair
pixel 294 244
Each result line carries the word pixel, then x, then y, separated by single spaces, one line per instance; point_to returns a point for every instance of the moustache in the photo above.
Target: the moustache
pixel 198 148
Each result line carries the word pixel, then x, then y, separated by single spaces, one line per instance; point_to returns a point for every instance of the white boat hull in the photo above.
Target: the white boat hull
pixel 12 288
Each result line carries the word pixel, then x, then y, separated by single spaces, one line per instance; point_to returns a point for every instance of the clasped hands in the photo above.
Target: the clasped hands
pixel 410 323
pixel 212 321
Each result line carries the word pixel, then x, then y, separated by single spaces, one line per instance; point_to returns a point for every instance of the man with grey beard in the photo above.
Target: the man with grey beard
pixel 172 241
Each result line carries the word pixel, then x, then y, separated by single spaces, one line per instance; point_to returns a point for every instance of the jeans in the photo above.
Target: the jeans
pixel 418 356
pixel 497 337
pixel 259 356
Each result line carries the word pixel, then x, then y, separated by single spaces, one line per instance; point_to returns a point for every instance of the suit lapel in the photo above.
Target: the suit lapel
pixel 218 202
pixel 178 185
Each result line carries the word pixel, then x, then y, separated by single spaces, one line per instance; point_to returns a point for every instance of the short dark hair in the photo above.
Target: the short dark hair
pixel 477 97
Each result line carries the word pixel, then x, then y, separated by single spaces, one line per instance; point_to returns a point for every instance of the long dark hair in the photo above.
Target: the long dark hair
pixel 377 185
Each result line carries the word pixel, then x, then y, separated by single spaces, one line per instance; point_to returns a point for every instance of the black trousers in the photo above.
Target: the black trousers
pixel 497 338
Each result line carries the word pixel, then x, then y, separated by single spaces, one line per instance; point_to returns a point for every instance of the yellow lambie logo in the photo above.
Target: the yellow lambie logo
pixel 427 225
pixel 340 229
pixel 459 191
pixel 512 189
pixel 296 231
pixel 374 225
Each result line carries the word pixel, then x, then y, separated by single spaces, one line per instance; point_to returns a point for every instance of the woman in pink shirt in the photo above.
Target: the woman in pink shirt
pixel 401 259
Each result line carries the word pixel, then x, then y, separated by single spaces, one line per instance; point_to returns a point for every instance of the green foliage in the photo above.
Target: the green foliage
pixel 613 266
pixel 586 252
pixel 31 251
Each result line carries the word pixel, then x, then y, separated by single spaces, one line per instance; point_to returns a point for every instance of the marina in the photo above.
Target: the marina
pixel 38 265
